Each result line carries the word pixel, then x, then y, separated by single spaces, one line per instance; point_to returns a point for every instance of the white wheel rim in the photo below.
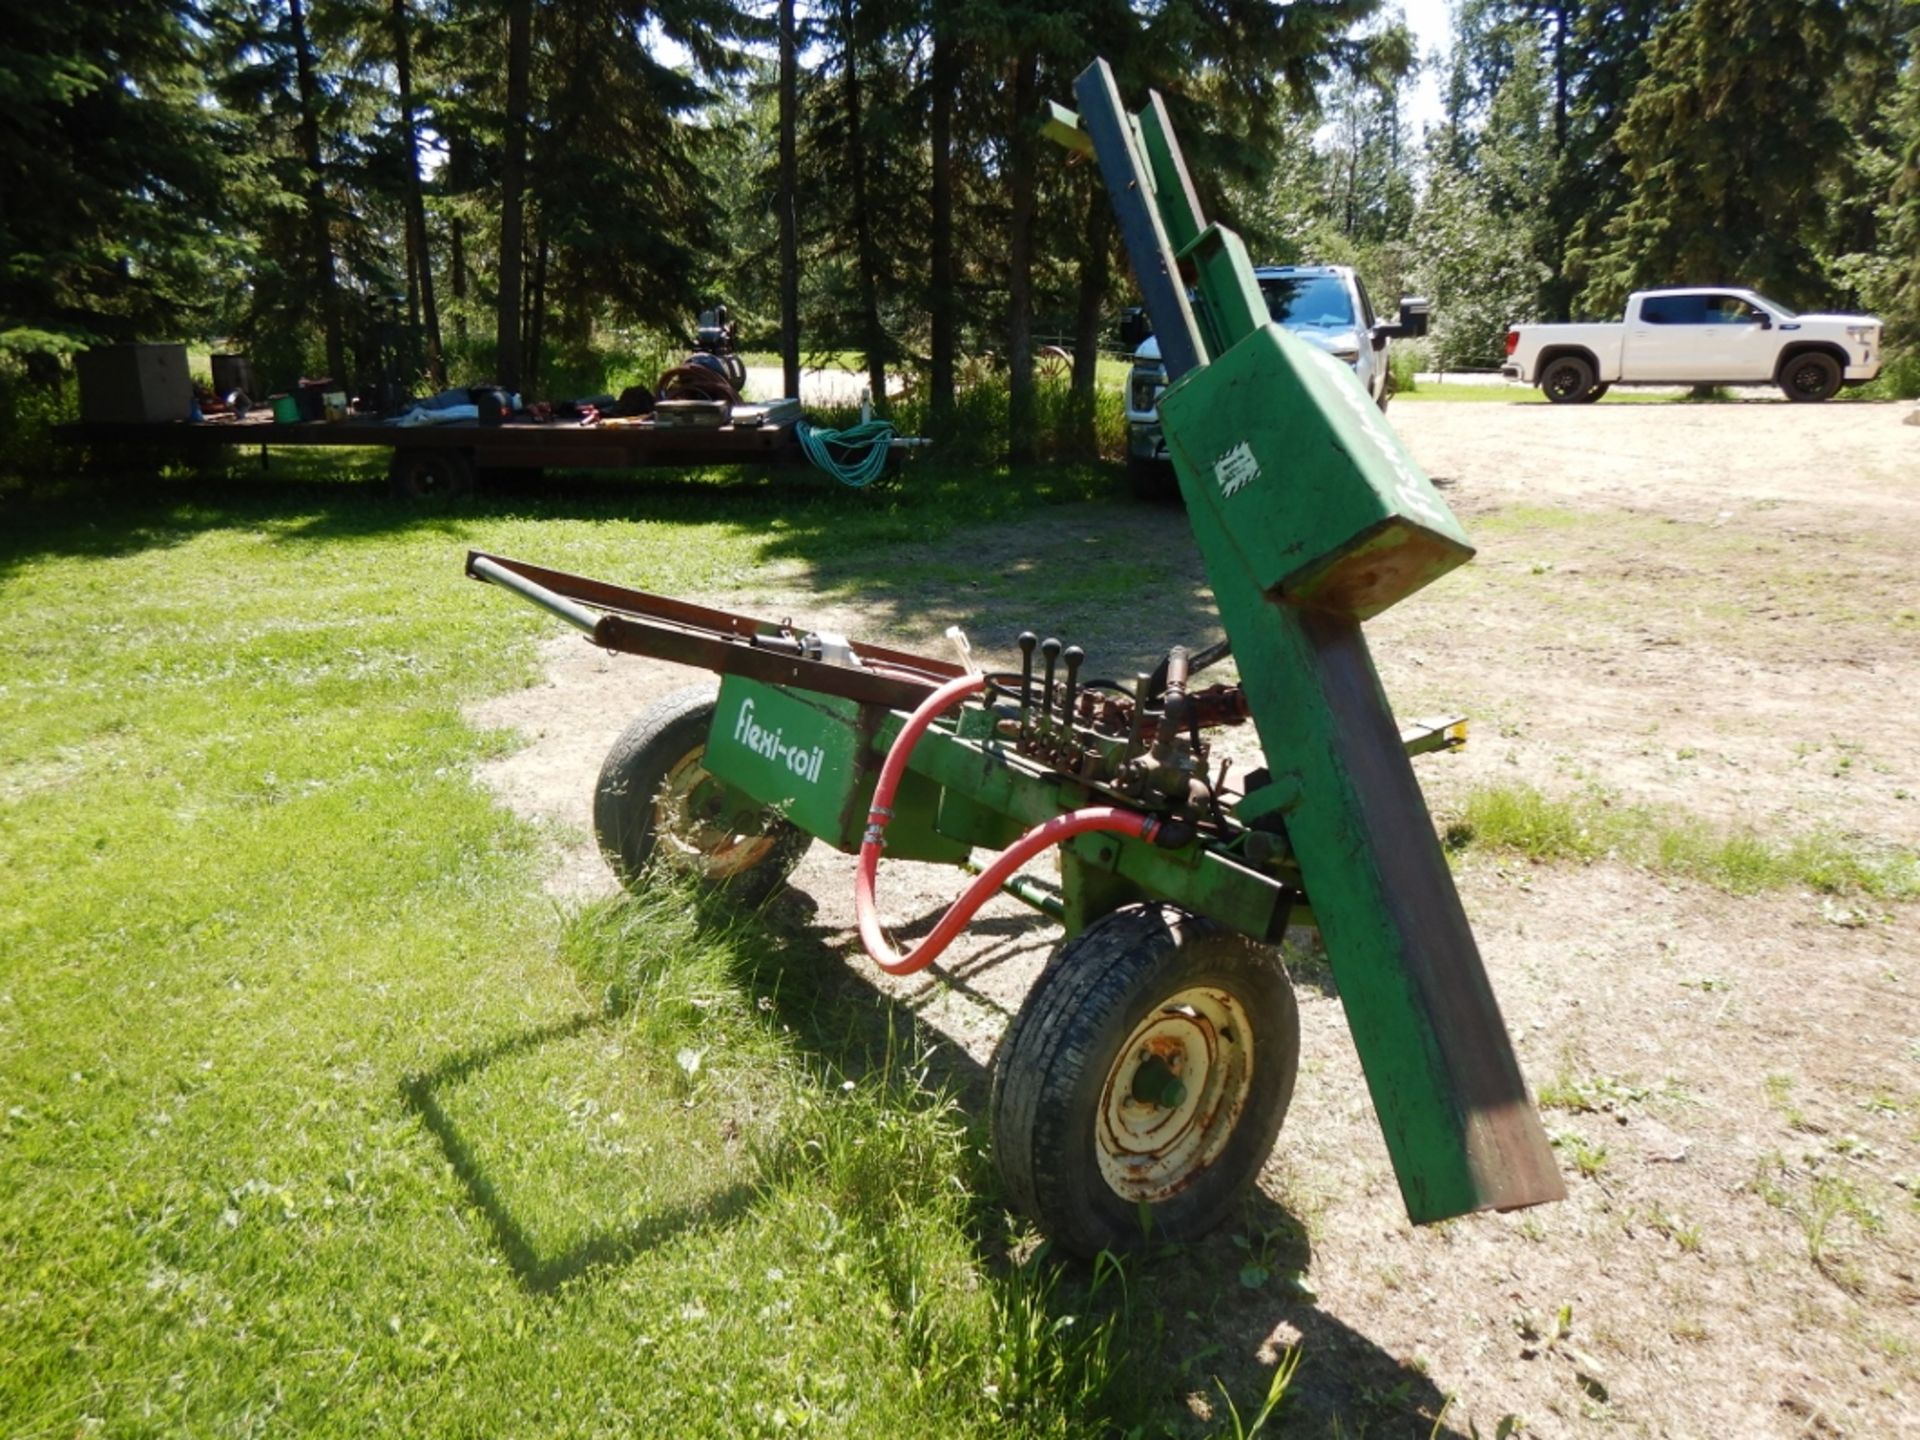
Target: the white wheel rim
pixel 696 841
pixel 1150 1149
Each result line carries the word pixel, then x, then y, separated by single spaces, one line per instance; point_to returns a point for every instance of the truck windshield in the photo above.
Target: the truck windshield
pixel 1308 300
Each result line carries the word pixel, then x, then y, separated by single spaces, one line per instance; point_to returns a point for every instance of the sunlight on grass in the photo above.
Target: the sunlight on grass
pixel 319 1117
pixel 1522 819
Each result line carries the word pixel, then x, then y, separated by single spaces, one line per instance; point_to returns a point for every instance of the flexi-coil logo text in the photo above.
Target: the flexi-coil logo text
pixel 803 763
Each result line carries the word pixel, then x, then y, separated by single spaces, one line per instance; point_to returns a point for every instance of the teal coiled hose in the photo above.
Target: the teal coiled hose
pixel 865 447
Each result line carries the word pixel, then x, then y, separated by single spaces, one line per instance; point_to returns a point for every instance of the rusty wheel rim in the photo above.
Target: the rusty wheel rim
pixel 691 818
pixel 1175 1091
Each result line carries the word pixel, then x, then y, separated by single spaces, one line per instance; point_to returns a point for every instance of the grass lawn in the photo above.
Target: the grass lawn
pixel 316 1118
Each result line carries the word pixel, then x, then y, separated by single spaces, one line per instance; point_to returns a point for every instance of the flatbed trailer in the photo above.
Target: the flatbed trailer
pixel 446 459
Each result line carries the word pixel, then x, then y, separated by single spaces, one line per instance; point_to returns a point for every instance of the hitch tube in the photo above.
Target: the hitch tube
pixel 578 616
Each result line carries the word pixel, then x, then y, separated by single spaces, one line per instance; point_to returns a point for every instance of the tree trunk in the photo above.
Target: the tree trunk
pixel 1096 275
pixel 513 186
pixel 866 254
pixel 1561 21
pixel 1021 175
pixel 457 275
pixel 429 311
pixel 326 292
pixel 942 304
pixel 787 200
pixel 536 330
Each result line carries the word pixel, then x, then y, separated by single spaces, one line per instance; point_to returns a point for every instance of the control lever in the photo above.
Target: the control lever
pixel 1027 641
pixel 1050 649
pixel 1173 707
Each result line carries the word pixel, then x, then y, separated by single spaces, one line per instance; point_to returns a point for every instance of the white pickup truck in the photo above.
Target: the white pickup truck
pixel 1697 337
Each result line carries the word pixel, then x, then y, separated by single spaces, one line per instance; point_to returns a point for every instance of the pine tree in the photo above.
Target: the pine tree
pixel 1727 143
pixel 111 176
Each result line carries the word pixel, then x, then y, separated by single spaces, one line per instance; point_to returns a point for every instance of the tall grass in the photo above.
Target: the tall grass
pixel 978 430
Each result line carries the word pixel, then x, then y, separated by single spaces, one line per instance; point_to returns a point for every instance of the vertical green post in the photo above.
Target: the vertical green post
pixel 1310 517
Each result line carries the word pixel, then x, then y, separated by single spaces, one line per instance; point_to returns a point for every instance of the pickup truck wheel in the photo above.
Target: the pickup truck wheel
pixel 1598 391
pixel 1568 380
pixel 1810 377
pixel 1152 480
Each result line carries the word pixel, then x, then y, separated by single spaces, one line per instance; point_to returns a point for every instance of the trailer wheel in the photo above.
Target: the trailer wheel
pixel 1568 380
pixel 656 801
pixel 1141 1085
pixel 429 474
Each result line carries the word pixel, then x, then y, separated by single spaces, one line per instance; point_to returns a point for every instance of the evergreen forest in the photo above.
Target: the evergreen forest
pixel 539 191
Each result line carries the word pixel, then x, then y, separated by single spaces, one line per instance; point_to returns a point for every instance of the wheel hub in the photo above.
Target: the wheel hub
pixel 691 815
pixel 1173 1094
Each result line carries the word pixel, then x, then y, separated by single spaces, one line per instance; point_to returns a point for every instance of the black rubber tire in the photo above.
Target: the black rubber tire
pixel 497 478
pixel 1568 380
pixel 1153 480
pixel 1052 1071
pixel 429 474
pixel 1810 377
pixel 1599 391
pixel 650 755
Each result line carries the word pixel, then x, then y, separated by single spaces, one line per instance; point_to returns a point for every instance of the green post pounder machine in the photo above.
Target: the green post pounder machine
pixel 1142 1084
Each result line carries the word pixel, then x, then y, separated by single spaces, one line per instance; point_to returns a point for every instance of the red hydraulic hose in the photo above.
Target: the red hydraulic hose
pixel 989 881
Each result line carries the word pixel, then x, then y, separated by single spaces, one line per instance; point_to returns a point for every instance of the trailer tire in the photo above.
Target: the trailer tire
pixel 429 474
pixel 1077 1146
pixel 1568 380
pixel 651 786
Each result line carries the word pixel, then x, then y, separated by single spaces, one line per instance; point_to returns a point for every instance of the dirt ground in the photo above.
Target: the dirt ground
pixel 1709 610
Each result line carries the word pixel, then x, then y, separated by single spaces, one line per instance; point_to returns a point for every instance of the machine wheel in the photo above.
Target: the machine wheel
pixel 1568 380
pixel 1153 480
pixel 1140 1088
pixel 656 800
pixel 429 474
pixel 1810 377
pixel 1600 390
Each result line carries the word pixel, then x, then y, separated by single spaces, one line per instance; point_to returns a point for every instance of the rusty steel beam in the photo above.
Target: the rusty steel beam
pixel 635 622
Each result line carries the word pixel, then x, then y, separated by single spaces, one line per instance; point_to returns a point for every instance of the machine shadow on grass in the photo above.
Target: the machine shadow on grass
pixel 422 1093
pixel 1214 1304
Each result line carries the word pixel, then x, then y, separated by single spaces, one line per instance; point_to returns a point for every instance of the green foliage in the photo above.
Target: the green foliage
pixel 1727 143
pixel 1473 264
pixel 28 413
pixel 111 168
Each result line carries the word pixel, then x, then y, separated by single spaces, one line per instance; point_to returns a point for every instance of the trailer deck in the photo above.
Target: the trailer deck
pixel 434 459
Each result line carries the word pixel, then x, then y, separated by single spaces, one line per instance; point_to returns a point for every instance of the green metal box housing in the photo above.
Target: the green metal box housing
pixel 1280 446
pixel 815 758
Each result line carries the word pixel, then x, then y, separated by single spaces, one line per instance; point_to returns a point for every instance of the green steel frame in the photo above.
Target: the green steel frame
pixel 1310 517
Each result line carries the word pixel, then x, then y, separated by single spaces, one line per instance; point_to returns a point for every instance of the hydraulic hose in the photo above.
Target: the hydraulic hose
pixel 985 885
